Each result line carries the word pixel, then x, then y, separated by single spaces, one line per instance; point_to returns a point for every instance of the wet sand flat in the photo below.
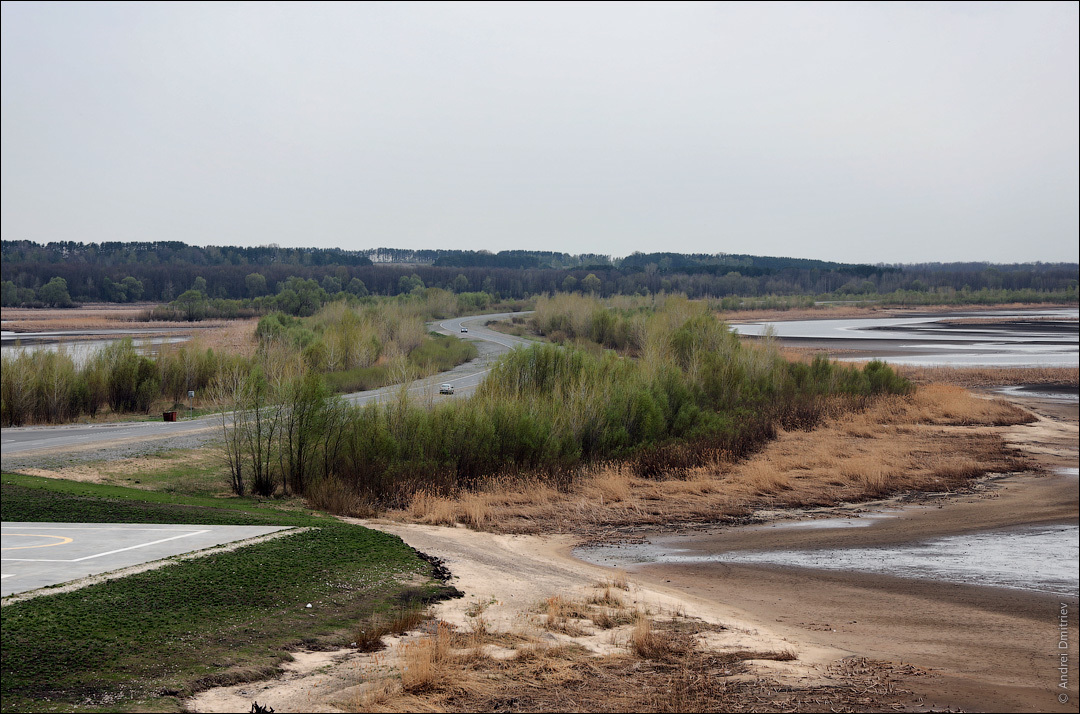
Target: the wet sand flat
pixel 985 649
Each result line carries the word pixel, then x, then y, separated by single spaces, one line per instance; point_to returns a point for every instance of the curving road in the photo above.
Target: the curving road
pixel 30 440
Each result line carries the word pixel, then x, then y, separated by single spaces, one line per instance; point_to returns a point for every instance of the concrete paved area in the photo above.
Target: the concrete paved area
pixel 36 555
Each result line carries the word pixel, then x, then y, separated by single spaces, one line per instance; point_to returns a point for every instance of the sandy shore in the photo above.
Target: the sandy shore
pixel 506 577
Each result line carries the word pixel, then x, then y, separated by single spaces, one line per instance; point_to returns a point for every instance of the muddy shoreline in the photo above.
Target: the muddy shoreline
pixel 984 648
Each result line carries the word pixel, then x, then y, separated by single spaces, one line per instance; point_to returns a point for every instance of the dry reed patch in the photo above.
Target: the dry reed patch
pixel 991 376
pixel 93 317
pixel 429 508
pixel 948 404
pixel 563 615
pixel 424 662
pixel 763 477
pixel 650 643
pixel 665 665
pixel 232 336
pixel 475 509
pixel 604 611
pixel 618 579
pixel 610 485
pixel 333 496
pixel 606 598
pixel 367 637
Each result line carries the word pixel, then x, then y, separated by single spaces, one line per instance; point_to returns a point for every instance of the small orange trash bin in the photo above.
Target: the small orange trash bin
pixel 169 416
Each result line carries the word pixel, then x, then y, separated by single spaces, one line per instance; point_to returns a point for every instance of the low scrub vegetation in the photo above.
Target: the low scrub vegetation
pixel 47 386
pixel 694 393
pixel 931 440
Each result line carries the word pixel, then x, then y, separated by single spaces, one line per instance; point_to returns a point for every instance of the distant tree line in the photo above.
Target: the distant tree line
pixel 61 274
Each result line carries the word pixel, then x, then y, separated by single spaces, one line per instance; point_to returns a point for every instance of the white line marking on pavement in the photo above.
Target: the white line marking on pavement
pixel 111 552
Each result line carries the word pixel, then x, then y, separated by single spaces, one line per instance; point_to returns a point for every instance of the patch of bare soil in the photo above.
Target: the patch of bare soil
pixel 184 468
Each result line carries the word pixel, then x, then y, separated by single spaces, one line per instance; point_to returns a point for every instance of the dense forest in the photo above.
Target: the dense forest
pixel 61 274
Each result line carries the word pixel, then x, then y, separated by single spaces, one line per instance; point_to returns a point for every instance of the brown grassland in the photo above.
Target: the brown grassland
pixel 92 316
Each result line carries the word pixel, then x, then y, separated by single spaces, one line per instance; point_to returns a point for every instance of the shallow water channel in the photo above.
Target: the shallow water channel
pixel 1043 559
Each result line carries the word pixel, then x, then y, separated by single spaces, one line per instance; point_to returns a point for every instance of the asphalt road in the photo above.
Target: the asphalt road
pixel 28 440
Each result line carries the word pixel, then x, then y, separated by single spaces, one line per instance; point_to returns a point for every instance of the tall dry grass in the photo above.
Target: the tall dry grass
pixel 424 662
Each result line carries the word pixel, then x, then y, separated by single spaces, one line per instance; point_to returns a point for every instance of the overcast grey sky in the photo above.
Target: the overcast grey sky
pixel 857 132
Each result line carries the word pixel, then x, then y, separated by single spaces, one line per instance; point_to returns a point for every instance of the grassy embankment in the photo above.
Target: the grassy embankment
pixel 143 641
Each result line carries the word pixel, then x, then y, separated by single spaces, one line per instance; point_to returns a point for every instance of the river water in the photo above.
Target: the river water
pixel 1001 338
pixel 75 343
pixel 1042 559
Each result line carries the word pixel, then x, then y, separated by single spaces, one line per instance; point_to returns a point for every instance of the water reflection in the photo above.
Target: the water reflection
pixel 1043 559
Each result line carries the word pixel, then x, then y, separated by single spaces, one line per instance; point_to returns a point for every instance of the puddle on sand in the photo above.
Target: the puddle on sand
pixel 1043 559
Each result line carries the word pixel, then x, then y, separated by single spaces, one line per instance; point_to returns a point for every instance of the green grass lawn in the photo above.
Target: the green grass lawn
pixel 147 640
